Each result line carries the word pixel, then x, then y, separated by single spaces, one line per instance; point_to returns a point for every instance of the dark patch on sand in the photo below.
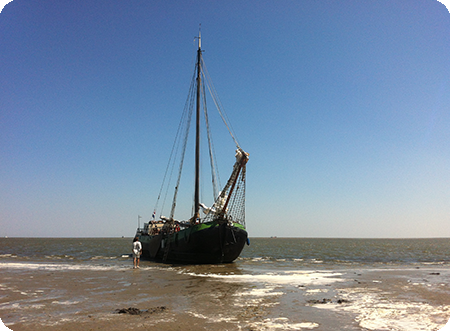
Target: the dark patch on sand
pixel 137 311
pixel 324 301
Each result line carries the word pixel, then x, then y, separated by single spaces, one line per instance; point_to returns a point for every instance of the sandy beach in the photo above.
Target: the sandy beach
pixel 201 298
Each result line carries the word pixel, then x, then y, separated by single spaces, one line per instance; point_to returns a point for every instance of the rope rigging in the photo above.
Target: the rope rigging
pixel 212 158
pixel 229 204
pixel 217 102
pixel 187 113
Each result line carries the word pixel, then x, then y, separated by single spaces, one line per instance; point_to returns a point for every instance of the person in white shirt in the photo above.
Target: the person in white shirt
pixel 137 251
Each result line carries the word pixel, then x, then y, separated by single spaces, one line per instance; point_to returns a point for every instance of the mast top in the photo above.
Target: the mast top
pixel 200 37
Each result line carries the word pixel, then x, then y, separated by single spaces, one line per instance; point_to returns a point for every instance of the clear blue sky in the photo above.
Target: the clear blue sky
pixel 344 107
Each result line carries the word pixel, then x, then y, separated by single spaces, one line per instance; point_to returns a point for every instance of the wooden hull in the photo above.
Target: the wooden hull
pixel 202 243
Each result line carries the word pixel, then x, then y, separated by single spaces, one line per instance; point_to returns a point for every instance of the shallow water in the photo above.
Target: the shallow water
pixel 276 284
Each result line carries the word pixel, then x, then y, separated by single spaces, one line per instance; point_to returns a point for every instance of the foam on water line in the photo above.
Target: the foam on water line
pixel 282 323
pixel 284 278
pixel 65 303
pixel 375 311
pixel 259 292
pixel 58 267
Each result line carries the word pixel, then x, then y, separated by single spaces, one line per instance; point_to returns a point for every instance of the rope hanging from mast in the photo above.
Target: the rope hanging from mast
pixel 183 129
pixel 229 204
pixel 217 102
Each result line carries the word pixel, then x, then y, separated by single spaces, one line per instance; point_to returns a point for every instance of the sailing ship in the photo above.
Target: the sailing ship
pixel 214 234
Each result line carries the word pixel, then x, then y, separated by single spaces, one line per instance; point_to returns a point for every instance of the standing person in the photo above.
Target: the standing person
pixel 137 251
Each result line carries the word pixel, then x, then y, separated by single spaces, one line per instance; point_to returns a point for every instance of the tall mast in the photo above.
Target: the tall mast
pixel 197 130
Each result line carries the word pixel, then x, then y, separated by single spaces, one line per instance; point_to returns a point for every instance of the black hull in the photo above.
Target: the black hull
pixel 201 244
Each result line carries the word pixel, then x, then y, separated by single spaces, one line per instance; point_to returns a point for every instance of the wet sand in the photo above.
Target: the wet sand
pixel 69 300
pixel 169 300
